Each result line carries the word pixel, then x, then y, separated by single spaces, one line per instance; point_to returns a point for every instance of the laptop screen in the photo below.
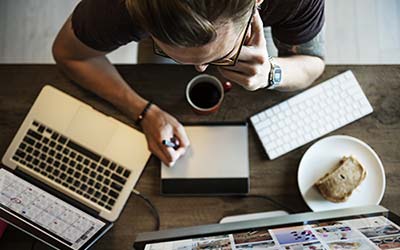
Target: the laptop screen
pixel 45 216
pixel 358 232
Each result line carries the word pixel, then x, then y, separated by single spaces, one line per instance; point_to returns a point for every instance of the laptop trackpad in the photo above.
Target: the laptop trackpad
pixel 91 128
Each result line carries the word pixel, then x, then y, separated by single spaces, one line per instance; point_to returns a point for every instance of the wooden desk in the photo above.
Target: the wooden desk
pixel 165 85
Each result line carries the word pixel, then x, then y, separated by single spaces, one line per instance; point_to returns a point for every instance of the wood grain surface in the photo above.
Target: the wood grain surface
pixel 165 85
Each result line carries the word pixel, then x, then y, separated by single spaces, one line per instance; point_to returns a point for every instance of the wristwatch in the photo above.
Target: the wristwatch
pixel 275 75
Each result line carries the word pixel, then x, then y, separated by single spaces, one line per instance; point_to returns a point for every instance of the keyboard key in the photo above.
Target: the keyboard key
pixel 62 139
pixel 97 194
pixel 29 158
pixel 41 128
pixel 35 135
pixel 99 178
pixel 104 189
pixel 45 140
pixel 86 170
pixel 84 187
pixel 58 156
pixel 100 203
pixel 63 167
pixel 72 163
pixel 111 202
pixel 65 151
pixel 119 170
pixel 107 182
pixel 70 171
pixel 83 151
pixel 118 179
pixel 77 183
pixel 104 197
pixel 29 140
pixel 79 167
pixel 56 172
pixel 93 165
pixel 54 136
pixel 90 190
pixel 91 182
pixel 116 186
pixel 20 153
pixel 113 166
pixel 36 153
pixel 63 176
pixel 84 178
pixel 79 158
pixel 77 175
pixel 29 149
pixel 127 173
pixel 72 154
pixel 86 162
pixel 52 152
pixel 51 144
pixel 38 145
pixel 45 149
pixel 35 123
pixel 93 174
pixel 107 173
pixel 100 169
pixel 113 194
pixel 105 162
pixel 65 159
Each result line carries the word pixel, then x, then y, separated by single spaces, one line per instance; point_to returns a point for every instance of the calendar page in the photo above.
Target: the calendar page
pixel 46 212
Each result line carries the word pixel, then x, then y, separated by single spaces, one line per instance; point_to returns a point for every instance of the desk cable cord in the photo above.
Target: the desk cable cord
pixel 153 209
pixel 276 203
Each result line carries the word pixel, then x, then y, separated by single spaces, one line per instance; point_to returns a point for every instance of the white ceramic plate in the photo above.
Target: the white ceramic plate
pixel 324 155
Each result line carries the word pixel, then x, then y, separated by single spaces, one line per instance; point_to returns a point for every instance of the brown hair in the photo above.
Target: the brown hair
pixel 187 23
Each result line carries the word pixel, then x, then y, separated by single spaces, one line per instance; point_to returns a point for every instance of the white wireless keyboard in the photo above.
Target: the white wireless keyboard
pixel 311 114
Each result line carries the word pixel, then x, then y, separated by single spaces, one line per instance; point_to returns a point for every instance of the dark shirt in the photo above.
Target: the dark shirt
pixel 106 24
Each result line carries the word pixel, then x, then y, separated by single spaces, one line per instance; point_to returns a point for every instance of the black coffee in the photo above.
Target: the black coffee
pixel 205 95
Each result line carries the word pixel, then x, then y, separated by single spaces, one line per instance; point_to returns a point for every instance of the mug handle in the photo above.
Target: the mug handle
pixel 227 86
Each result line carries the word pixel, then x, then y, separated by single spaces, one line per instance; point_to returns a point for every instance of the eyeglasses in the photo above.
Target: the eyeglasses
pixel 231 61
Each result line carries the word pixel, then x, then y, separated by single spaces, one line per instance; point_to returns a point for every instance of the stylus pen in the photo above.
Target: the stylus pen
pixel 171 143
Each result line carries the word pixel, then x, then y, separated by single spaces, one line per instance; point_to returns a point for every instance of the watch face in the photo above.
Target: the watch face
pixel 277 75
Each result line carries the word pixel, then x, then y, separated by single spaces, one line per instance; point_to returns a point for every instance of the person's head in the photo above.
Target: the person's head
pixel 194 31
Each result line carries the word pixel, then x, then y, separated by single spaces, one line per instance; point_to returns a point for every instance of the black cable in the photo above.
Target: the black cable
pixel 153 209
pixel 34 244
pixel 276 203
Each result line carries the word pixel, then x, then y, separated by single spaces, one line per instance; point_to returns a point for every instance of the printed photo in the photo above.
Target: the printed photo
pixel 213 244
pixel 385 243
pixel 336 233
pixel 269 245
pixel 293 235
pixel 327 224
pixel 354 244
pixel 379 231
pixel 377 221
pixel 252 236
pixel 307 246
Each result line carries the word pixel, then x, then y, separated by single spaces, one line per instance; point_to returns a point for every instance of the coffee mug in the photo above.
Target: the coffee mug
pixel 205 93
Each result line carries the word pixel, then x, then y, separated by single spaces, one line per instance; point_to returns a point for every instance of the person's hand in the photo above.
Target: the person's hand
pixel 158 126
pixel 252 68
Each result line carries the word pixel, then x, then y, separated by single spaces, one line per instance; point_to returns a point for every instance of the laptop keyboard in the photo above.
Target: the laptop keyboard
pixel 63 161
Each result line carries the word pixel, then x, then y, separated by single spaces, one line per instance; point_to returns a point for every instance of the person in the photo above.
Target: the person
pixel 225 33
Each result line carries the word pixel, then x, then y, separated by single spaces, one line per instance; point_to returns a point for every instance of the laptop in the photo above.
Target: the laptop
pixel 69 171
pixel 361 228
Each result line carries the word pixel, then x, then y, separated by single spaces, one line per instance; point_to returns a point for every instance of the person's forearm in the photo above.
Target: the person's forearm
pixel 299 71
pixel 100 76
